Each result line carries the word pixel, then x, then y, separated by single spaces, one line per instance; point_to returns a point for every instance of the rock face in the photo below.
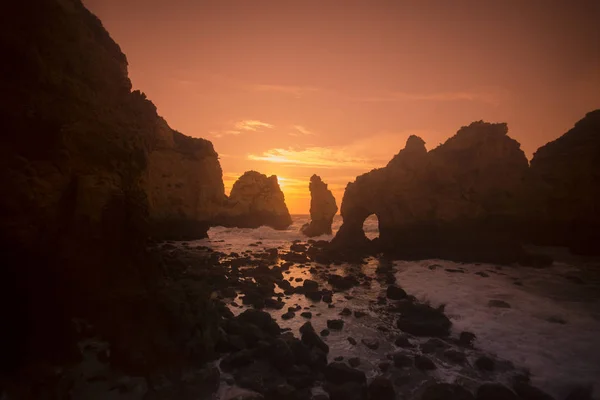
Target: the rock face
pixel 184 185
pixel 87 167
pixel 563 189
pixel 322 208
pixel 457 201
pixel 255 200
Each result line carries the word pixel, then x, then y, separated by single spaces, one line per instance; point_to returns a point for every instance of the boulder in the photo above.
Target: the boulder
pixel 446 391
pixel 422 320
pixel 381 388
pixel 322 209
pixel 339 373
pixel 495 391
pixel 255 200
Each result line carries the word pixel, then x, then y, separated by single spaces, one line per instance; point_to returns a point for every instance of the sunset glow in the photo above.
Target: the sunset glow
pixel 294 89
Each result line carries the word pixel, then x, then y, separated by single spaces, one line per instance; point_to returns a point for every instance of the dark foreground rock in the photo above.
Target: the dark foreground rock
pixel 446 391
pixel 422 320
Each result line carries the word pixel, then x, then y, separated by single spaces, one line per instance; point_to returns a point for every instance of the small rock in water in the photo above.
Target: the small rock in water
pixel 482 274
pixel 402 341
pixel 346 311
pixel 395 293
pixel 372 344
pixel 330 306
pixel 359 314
pixel 455 356
pixel 455 270
pixel 485 363
pixel 402 360
pixel 498 304
pixel 288 315
pixel 306 314
pixel 339 358
pixel 423 363
pixel 336 324
pixel 325 332
pixel 354 362
pixel 466 339
pixel 352 341
pixel 384 366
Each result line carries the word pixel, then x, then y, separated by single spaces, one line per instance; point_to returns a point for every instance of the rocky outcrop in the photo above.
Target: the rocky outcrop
pixel 255 200
pixel 322 208
pixel 184 184
pixel 457 201
pixel 83 160
pixel 562 194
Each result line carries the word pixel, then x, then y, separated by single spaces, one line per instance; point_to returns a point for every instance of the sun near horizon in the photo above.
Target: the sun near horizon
pixel 295 89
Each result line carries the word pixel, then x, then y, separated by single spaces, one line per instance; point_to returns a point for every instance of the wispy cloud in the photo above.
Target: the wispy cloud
pixel 491 97
pixel 292 90
pixel 323 157
pixel 252 125
pixel 299 130
pixel 249 125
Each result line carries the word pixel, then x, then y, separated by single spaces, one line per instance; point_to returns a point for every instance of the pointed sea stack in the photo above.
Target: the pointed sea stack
pixel 322 208
pixel 255 200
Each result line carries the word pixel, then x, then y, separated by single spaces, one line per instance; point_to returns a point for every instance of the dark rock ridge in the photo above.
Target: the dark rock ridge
pixel 255 200
pixel 322 208
pixel 563 189
pixel 89 171
pixel 456 201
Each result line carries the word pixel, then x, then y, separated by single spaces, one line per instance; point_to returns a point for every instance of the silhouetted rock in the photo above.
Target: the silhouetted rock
pixel 255 200
pixel 457 201
pixel 322 208
pixel 446 391
pixel 495 391
pixel 563 189
pixel 422 320
pixel 340 373
pixel 381 388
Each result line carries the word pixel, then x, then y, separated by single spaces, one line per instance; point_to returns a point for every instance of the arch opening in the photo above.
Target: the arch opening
pixel 371 227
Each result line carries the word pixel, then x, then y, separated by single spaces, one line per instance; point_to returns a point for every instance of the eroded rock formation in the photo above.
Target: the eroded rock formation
pixel 562 195
pixel 82 165
pixel 457 201
pixel 255 200
pixel 322 208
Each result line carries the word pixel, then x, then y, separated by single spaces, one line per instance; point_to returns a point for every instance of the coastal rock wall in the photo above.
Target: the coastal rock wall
pixel 322 208
pixel 81 160
pixel 562 195
pixel 255 200
pixel 456 201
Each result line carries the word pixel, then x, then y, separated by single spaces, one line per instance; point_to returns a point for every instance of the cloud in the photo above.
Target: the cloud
pixel 299 130
pixel 296 91
pixel 249 125
pixel 491 97
pixel 252 125
pixel 321 157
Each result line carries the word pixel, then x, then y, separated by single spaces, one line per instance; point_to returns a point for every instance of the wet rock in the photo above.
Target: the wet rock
pixel 318 393
pixel 424 364
pixel 260 319
pixel 402 341
pixel 352 341
pixel 446 391
pixel 433 345
pixel 482 274
pixel 346 311
pixel 325 332
pixel 381 388
pixel 495 391
pixel 280 355
pixel 339 358
pixel 402 360
pixel 288 315
pixel 310 285
pixel 342 283
pixel 384 366
pixel 354 362
pixel 466 339
pixel 335 324
pixel 236 393
pixel 311 339
pixel 340 373
pixel 485 363
pixel 395 293
pixel 306 314
pixel 372 344
pixel 528 392
pixel 314 295
pixel 275 304
pixel 359 314
pixel 237 360
pixel 455 356
pixel 347 391
pixel 455 270
pixel 498 304
pixel 298 247
pixel 327 297
pixel 422 320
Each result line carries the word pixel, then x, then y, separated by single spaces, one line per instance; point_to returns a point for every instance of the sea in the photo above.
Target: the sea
pixel 551 330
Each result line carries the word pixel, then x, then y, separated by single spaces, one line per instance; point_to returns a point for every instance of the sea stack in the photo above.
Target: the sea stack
pixel 255 200
pixel 322 208
pixel 457 201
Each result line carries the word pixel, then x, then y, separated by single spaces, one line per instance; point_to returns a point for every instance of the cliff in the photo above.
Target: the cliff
pixel 322 208
pixel 563 189
pixel 458 201
pixel 255 200
pixel 87 168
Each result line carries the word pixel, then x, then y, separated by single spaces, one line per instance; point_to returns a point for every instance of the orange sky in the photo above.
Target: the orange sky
pixel 332 87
